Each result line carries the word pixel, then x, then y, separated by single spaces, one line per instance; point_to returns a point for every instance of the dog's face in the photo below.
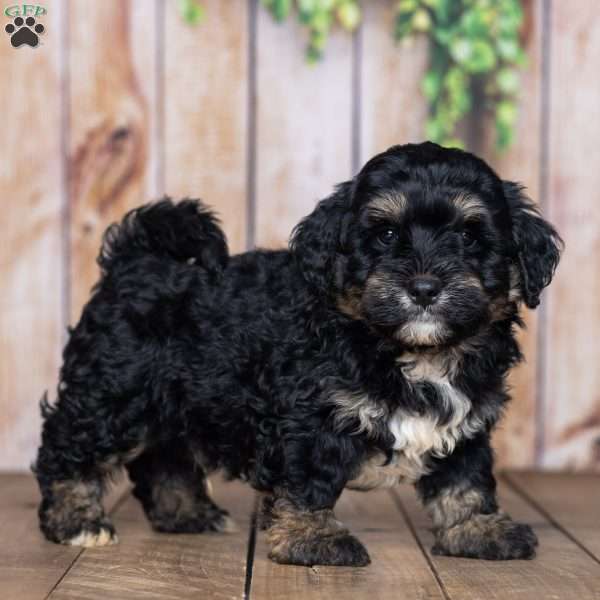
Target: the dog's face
pixel 427 245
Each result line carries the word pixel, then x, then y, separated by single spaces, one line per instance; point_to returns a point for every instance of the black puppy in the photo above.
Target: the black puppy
pixel 374 351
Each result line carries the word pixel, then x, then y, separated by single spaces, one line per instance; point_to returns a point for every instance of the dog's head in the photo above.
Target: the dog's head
pixel 427 245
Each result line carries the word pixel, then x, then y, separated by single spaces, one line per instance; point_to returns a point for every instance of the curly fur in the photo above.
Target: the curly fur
pixel 304 370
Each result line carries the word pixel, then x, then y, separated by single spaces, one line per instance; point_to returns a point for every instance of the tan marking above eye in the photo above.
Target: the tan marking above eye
pixel 388 206
pixel 471 206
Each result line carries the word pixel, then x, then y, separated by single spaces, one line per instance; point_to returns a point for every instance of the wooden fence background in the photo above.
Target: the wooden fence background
pixel 123 102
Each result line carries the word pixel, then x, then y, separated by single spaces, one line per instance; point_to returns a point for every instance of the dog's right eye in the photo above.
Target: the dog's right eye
pixel 387 236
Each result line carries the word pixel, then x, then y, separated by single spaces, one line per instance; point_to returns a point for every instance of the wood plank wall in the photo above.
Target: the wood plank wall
pixel 124 102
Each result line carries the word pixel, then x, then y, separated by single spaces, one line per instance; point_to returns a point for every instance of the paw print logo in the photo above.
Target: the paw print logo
pixel 24 31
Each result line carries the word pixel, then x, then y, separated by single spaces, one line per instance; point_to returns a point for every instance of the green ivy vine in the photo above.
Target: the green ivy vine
pixel 317 16
pixel 475 52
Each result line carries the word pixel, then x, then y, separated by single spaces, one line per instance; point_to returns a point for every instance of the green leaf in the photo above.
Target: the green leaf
pixel 281 9
pixel 421 21
pixel 308 6
pixel 434 130
pixel 431 85
pixel 475 23
pixel 506 113
pixel 482 57
pixel 313 55
pixel 474 48
pixel 348 14
pixel 508 48
pixel 321 22
pixel 402 25
pixel 407 6
pixel 461 50
pixel 508 81
pixel 318 40
pixel 453 142
pixel 191 11
pixel 504 136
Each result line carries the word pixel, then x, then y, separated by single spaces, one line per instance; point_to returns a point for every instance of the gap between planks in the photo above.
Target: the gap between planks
pixel 562 568
pixel 413 532
pixel 518 488
pixel 252 531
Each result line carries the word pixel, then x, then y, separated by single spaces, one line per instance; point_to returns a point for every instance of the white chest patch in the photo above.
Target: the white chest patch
pixel 416 434
pixel 419 436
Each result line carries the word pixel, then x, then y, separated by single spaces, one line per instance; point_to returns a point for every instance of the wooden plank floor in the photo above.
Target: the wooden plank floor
pixel 563 509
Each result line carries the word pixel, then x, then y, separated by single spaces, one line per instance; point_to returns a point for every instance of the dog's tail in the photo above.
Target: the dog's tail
pixel 185 231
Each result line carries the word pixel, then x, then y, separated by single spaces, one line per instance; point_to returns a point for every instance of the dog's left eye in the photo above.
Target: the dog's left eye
pixel 468 238
pixel 387 236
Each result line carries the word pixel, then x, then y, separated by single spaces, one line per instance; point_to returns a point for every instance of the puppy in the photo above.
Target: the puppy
pixel 375 350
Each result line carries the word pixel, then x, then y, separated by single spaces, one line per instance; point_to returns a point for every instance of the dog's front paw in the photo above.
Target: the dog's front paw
pixel 489 537
pixel 92 535
pixel 339 550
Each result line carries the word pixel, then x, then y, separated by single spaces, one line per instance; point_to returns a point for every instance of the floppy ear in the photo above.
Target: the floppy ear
pixel 537 244
pixel 319 238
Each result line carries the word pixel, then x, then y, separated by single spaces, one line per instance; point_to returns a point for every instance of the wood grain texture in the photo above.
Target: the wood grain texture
pixel 398 570
pixel 572 428
pixel 112 77
pixel 148 104
pixel 572 503
pixel 515 439
pixel 147 565
pixel 393 108
pixel 303 118
pixel 561 569
pixel 30 236
pixel 206 110
pixel 30 566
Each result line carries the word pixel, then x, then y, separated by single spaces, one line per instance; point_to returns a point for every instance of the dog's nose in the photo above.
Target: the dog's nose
pixel 424 289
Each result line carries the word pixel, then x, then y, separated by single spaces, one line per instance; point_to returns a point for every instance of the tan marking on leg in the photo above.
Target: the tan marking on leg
pixel 73 514
pixel 465 537
pixel 461 529
pixel 78 498
pixel 293 525
pixel 454 506
pixel 118 460
pixel 311 537
pixel 376 474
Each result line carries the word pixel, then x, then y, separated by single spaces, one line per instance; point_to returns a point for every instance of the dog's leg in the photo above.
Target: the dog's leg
pixel 72 469
pixel 460 495
pixel 71 513
pixel 174 492
pixel 311 537
pixel 302 528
